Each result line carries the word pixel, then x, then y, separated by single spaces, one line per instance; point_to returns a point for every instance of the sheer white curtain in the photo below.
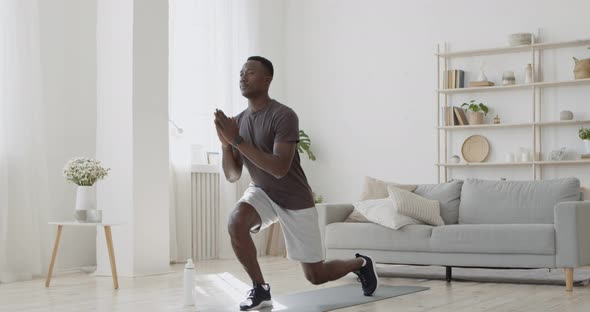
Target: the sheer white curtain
pixel 23 172
pixel 209 42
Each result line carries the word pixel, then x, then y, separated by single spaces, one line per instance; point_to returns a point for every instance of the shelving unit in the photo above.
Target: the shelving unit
pixel 535 125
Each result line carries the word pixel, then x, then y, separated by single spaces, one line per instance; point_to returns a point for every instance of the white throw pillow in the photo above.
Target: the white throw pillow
pixel 415 206
pixel 383 212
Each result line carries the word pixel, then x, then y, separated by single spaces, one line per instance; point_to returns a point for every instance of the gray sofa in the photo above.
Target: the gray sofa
pixel 499 224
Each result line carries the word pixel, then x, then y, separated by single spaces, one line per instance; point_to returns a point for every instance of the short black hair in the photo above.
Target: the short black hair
pixel 266 63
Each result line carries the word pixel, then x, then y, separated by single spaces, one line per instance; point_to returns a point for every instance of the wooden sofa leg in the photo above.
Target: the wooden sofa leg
pixel 569 279
pixel 449 273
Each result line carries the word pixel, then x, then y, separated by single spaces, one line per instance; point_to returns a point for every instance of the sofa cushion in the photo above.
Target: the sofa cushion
pixel 538 239
pixel 347 235
pixel 514 202
pixel 448 195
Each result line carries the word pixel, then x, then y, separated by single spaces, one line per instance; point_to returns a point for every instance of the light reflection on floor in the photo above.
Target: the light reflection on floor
pixel 233 291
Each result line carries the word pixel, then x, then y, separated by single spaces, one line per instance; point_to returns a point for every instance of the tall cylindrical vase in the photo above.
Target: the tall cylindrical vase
pixel 587 145
pixel 86 197
pixel 528 73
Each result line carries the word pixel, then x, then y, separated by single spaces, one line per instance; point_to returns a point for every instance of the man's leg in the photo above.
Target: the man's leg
pixel 303 240
pixel 243 218
pixel 326 271
pixel 363 266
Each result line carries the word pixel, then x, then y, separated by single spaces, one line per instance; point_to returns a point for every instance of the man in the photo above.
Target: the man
pixel 264 137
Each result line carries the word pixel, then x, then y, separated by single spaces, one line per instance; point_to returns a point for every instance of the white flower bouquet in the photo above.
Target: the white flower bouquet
pixel 84 171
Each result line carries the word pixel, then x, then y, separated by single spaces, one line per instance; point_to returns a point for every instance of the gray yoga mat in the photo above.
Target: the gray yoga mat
pixel 327 299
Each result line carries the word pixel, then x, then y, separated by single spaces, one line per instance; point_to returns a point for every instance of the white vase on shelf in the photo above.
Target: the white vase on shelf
pixel 528 73
pixel 86 197
pixel 482 76
pixel 587 146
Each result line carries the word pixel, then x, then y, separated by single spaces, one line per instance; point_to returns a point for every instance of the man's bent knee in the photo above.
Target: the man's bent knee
pixel 243 218
pixel 314 274
pixel 315 278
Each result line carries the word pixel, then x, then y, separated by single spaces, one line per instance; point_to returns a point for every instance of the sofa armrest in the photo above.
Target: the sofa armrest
pixel 572 234
pixel 332 213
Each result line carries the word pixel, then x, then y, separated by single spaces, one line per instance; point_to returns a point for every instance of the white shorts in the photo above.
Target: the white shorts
pixel 300 227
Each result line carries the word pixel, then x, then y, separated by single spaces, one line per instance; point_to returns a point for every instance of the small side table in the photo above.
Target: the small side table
pixel 109 238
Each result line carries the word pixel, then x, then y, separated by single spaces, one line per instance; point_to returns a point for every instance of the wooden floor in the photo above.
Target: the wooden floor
pixel 223 281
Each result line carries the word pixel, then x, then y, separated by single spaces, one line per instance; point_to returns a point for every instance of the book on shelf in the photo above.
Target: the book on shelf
pixel 460 116
pixel 481 83
pixel 453 79
pixel 448 116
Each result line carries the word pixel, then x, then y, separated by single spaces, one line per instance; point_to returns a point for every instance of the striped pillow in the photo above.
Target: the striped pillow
pixel 382 212
pixel 416 207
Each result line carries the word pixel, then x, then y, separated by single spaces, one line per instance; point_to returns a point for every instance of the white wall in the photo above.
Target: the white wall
pixel 114 127
pixel 132 133
pixel 361 75
pixel 68 59
pixel 210 41
pixel 151 202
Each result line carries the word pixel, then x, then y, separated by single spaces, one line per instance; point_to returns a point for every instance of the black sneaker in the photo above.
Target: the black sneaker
pixel 258 297
pixel 368 276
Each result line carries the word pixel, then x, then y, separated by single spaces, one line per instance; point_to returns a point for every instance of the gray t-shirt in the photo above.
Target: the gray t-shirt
pixel 276 123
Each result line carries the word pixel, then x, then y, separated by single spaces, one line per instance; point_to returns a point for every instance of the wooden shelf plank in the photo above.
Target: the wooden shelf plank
pixel 563 162
pixel 517 86
pixel 484 126
pixel 486 89
pixel 485 164
pixel 497 164
pixel 518 125
pixel 562 83
pixel 488 51
pixel 515 49
pixel 562 44
pixel 563 122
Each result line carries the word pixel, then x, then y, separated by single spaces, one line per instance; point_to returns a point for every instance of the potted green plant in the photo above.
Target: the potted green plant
pixel 475 112
pixel 582 68
pixel 304 146
pixel 318 199
pixel 585 135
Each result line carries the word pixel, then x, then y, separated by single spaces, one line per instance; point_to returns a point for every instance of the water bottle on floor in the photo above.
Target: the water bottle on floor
pixel 189 282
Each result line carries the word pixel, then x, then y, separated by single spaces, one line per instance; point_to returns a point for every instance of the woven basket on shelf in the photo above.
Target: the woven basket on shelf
pixel 582 68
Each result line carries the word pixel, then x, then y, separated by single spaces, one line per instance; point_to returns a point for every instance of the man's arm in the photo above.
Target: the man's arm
pixel 231 163
pixel 277 164
pixel 231 160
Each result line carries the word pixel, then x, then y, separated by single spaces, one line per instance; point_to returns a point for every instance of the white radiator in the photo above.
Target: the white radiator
pixel 209 238
pixel 205 206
